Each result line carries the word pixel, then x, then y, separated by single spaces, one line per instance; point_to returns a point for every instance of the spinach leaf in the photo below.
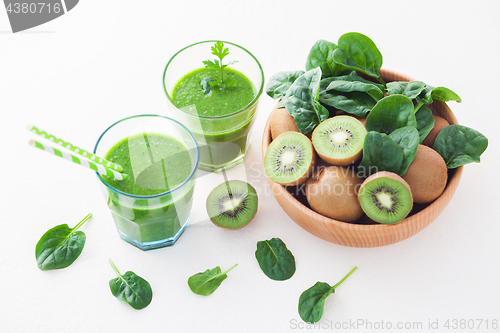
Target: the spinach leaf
pixel 280 82
pixel 354 82
pixel 359 53
pixel 459 145
pixel 205 283
pixel 444 95
pixel 131 288
pixel 275 260
pixel 409 89
pixel 425 122
pixel 380 153
pixel 60 246
pixel 356 103
pixel 302 101
pixel 425 96
pixel 312 301
pixel 391 113
pixel 430 93
pixel 321 55
pixel 407 138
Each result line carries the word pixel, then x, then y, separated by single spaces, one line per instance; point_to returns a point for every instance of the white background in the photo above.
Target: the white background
pixel 104 61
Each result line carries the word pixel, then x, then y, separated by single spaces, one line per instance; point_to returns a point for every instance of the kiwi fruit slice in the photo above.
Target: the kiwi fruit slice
pixel 333 192
pixel 427 175
pixel 339 140
pixel 290 159
pixel 385 197
pixel 232 204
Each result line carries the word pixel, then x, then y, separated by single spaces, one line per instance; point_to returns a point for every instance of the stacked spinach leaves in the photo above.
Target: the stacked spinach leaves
pixel 346 76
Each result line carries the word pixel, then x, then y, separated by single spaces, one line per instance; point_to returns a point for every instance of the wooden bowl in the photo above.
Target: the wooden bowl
pixel 367 235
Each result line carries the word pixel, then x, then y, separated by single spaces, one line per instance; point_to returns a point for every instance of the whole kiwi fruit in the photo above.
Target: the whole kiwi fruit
pixel 333 192
pixel 439 124
pixel 282 122
pixel 427 175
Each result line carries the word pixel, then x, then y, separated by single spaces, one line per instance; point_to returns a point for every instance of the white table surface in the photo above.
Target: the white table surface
pixel 104 61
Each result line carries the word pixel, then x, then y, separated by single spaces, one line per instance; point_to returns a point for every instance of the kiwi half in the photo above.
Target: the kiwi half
pixel 339 140
pixel 232 204
pixel 289 159
pixel 385 197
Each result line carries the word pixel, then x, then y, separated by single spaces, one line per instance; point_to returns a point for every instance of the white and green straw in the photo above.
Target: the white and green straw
pixel 82 161
pixel 77 150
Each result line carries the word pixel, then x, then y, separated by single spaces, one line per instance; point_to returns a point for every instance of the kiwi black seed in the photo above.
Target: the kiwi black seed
pixel 290 159
pixel 232 204
pixel 339 140
pixel 385 197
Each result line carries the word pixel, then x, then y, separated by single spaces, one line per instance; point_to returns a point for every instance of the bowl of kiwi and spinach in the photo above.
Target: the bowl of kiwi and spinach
pixel 359 155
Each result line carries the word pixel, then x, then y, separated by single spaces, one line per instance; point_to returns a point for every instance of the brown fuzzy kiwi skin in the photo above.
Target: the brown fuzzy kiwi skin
pixel 427 175
pixel 439 124
pixel 341 161
pixel 309 171
pixel 391 175
pixel 333 192
pixel 282 122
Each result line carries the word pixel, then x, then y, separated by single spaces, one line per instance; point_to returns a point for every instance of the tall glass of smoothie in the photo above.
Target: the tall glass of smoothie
pixel 151 207
pixel 216 98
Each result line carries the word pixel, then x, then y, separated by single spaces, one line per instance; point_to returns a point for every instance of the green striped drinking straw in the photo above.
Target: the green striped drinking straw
pixel 89 160
pixel 75 149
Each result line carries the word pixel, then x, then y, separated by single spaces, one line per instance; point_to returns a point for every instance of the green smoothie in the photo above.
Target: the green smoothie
pixel 161 163
pixel 222 139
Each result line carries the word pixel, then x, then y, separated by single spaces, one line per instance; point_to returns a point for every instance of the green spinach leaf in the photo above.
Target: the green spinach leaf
pixel 430 93
pixel 356 103
pixel 409 89
pixel 275 260
pixel 279 83
pixel 60 246
pixel 459 145
pixel 312 301
pixel 380 153
pixel 407 138
pixel 359 53
pixel 205 283
pixel 355 83
pixel 425 96
pixel 302 101
pixel 321 55
pixel 425 122
pixel 131 288
pixel 391 113
pixel 444 95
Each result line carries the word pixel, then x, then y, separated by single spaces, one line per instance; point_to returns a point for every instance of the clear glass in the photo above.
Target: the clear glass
pixel 223 140
pixel 152 221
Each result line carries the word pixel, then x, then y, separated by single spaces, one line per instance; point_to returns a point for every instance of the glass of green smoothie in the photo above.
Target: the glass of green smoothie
pixel 213 87
pixel 151 207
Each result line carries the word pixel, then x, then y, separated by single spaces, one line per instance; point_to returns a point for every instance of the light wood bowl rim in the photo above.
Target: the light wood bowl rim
pixel 360 235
